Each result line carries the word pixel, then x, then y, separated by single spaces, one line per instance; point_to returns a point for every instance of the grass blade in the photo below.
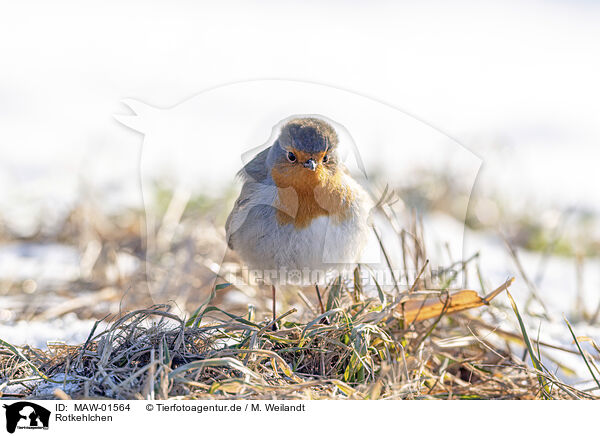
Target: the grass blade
pixel 581 352
pixel 534 360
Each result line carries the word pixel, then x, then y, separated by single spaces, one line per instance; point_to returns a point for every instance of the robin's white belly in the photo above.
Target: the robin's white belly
pixel 324 246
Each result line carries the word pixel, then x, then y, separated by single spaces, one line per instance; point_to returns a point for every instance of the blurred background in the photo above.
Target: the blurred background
pixel 514 83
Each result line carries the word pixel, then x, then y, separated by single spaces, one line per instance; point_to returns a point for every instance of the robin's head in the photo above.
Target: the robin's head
pixel 305 152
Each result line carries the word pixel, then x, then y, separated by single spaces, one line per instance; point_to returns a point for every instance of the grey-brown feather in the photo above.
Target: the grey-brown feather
pixel 252 173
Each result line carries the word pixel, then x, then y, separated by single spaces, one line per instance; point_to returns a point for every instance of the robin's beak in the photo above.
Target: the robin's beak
pixel 311 164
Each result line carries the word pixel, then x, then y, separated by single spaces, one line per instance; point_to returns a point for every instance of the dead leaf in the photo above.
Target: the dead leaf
pixel 422 307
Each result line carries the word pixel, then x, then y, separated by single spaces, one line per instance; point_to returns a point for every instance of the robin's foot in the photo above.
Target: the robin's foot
pixel 325 321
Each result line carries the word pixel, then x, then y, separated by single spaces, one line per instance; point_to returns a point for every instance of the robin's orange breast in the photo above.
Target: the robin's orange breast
pixel 303 194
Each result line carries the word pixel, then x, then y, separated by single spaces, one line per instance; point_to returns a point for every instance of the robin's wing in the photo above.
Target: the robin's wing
pixel 253 173
pixel 256 169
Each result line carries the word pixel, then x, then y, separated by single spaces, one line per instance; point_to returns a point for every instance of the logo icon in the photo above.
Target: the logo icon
pixel 26 415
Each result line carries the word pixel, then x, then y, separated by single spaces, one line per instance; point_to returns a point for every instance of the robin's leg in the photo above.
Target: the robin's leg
pixel 324 320
pixel 320 300
pixel 274 327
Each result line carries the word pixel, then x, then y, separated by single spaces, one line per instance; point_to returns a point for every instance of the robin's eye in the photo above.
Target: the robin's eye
pixel 291 156
pixel 325 158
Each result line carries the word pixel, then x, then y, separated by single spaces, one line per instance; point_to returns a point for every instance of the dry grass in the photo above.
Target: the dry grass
pixel 363 353
pixel 361 348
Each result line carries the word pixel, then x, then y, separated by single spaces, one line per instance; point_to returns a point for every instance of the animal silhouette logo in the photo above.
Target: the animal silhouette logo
pixel 25 414
pixel 193 148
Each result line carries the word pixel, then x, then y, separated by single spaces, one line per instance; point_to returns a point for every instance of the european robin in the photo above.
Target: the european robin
pixel 300 214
